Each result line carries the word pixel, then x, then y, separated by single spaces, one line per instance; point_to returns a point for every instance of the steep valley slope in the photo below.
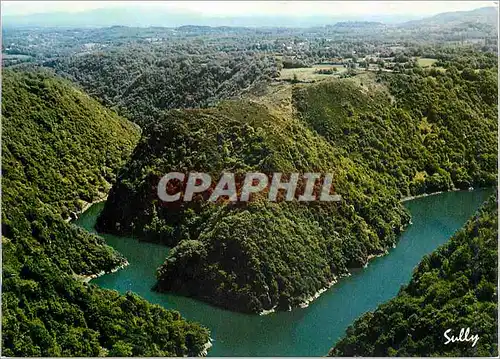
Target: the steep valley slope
pixel 404 134
pixel 455 287
pixel 60 150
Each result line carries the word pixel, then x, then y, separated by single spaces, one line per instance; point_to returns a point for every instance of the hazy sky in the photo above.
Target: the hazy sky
pixel 228 8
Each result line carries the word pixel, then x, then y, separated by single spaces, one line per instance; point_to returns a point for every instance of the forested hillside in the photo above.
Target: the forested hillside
pixel 455 287
pixel 156 77
pixel 282 253
pixel 59 145
pixel 61 149
pixel 439 132
pixel 380 147
pixel 392 110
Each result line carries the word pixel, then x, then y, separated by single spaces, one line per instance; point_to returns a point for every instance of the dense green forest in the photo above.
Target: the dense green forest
pixel 454 287
pixel 380 147
pixel 150 80
pixel 59 145
pixel 284 252
pixel 427 130
pixel 61 149
pixel 400 110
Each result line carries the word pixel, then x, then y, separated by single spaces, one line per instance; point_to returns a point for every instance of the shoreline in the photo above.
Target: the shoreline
pixel 90 204
pixel 206 347
pixel 88 278
pixel 268 311
pixel 316 295
pixel 373 256
pixel 336 279
pixel 370 257
pixel 410 198
pixel 304 304
pixel 85 207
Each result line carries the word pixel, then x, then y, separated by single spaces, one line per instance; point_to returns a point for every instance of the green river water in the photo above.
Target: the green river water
pixel 300 332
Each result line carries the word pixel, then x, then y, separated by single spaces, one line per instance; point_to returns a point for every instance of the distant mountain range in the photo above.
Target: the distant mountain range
pixel 485 15
pixel 160 17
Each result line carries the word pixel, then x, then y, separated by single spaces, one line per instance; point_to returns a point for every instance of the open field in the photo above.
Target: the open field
pixel 308 73
pixel 426 62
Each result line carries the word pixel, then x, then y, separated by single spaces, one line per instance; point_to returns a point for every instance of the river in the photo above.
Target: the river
pixel 301 332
